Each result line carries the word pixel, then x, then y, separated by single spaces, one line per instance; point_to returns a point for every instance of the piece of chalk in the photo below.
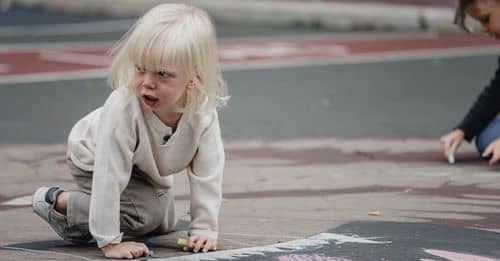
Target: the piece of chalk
pixel 182 241
pixel 150 254
pixel 451 158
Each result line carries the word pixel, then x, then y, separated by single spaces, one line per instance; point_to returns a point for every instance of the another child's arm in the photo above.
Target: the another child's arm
pixel 484 109
pixel 205 180
pixel 493 151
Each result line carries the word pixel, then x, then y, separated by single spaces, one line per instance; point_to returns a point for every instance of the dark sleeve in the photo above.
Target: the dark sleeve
pixel 484 109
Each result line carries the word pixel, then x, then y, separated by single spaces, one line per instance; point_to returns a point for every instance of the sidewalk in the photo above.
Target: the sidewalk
pixel 305 199
pixel 335 15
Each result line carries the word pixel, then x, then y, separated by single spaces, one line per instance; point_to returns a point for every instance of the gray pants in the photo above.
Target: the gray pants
pixel 142 207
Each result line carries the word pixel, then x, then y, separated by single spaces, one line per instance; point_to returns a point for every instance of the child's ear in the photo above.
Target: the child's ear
pixel 190 85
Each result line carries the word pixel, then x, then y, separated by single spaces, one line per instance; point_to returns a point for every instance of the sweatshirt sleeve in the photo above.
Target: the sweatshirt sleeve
pixel 205 181
pixel 484 109
pixel 112 170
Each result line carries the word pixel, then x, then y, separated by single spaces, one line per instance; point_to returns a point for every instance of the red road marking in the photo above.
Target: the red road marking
pixel 242 51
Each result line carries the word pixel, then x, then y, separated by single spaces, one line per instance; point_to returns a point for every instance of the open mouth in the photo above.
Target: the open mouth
pixel 149 99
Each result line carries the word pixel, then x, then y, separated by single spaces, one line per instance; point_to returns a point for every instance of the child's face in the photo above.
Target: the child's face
pixel 162 91
pixel 486 12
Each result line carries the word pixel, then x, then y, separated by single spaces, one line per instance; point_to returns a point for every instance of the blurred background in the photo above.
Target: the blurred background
pixel 295 69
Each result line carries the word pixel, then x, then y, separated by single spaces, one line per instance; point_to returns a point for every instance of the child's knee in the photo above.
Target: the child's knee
pixel 145 220
pixel 137 226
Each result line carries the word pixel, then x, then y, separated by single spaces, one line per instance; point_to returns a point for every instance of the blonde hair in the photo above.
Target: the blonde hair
pixel 173 34
pixel 460 14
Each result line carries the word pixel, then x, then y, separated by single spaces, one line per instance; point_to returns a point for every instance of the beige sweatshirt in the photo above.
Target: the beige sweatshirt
pixel 112 139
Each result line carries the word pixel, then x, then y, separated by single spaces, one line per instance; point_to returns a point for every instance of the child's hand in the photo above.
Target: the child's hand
pixel 451 141
pixel 493 150
pixel 127 250
pixel 198 242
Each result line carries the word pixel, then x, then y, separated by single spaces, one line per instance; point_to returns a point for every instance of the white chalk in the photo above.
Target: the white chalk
pixel 451 158
pixel 182 238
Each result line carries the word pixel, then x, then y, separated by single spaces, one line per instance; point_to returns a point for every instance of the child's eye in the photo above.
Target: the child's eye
pixel 165 74
pixel 485 19
pixel 140 69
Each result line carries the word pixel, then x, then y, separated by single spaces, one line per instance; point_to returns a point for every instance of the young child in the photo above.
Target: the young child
pixel 160 120
pixel 480 121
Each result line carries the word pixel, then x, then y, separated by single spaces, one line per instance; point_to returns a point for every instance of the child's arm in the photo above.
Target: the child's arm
pixel 484 109
pixel 115 143
pixel 205 180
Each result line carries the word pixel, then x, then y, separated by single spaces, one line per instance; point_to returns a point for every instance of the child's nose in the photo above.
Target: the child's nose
pixel 149 80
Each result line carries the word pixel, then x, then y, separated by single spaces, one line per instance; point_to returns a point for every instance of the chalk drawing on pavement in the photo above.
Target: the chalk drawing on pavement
pixel 306 244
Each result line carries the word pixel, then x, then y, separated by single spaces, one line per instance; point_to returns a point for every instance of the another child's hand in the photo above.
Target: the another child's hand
pixel 196 243
pixel 493 150
pixel 451 141
pixel 127 250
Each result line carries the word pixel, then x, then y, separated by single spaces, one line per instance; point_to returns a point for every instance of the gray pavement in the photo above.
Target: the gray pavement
pixel 394 99
pixel 363 198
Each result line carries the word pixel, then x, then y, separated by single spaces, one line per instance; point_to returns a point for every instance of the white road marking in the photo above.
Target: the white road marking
pixel 37 47
pixel 110 26
pixel 358 37
pixel 4 68
pixel 53 76
pixel 380 57
pixel 75 58
pixel 274 54
pixel 21 201
pixel 386 57
pixel 279 49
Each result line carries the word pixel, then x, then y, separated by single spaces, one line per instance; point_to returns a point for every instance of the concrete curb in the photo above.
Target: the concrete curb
pixel 331 15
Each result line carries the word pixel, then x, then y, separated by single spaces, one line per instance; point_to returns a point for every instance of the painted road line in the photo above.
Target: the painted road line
pixel 359 37
pixel 280 49
pixel 384 57
pixel 20 201
pixel 248 55
pixel 110 26
pixel 75 58
pixel 337 36
pixel 4 68
pixel 54 76
pixel 355 59
pixel 36 47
